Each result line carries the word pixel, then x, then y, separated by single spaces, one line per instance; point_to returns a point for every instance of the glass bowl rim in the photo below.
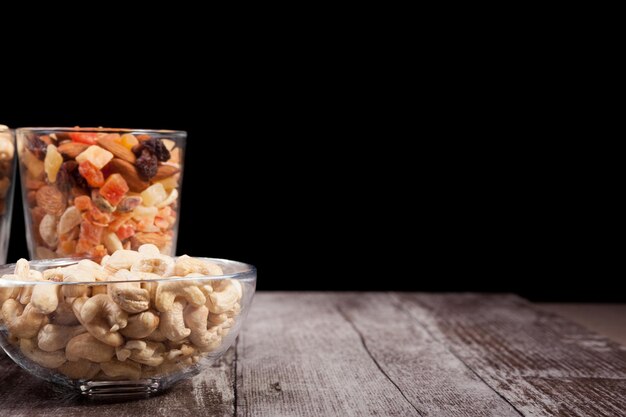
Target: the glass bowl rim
pixel 248 274
pixel 102 130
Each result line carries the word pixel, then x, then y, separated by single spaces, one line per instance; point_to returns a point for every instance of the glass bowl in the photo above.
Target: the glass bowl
pixel 44 326
pixel 7 180
pixel 88 192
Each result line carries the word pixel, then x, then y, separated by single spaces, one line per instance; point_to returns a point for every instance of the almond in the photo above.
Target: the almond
pixel 165 171
pixel 130 174
pixel 72 149
pixel 51 200
pixel 117 149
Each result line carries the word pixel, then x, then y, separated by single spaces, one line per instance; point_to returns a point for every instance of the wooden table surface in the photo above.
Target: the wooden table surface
pixel 378 354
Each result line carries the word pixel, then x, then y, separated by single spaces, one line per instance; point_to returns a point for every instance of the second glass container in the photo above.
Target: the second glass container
pixel 90 191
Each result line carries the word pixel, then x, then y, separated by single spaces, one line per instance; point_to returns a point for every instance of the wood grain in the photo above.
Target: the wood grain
pixel 378 354
pixel 300 357
pixel 434 380
pixel 542 364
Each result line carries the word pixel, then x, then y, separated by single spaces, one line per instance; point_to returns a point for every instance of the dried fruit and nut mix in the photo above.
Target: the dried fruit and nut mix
pixel 120 330
pixel 90 193
pixel 7 152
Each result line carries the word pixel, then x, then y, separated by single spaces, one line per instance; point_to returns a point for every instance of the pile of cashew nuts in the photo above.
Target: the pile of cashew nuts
pixel 125 330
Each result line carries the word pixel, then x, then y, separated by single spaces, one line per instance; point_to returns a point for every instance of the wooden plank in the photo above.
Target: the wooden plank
pixel 542 364
pixel 210 393
pixel 434 380
pixel 300 357
pixel 607 319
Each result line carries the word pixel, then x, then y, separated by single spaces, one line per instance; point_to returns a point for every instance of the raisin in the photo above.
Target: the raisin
pixel 156 147
pixel 37 146
pixel 146 164
pixel 79 181
pixel 64 179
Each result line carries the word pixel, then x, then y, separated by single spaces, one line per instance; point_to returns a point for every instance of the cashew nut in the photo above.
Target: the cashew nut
pixel 196 320
pixel 81 369
pixel 64 315
pixel 225 299
pixel 140 325
pixel 186 265
pixel 53 337
pixel 45 298
pixel 147 353
pixel 121 259
pixel 180 353
pixel 40 357
pixel 148 250
pixel 167 292
pixel 99 327
pixel 157 264
pixel 123 370
pixel 128 295
pixel 22 322
pixel 85 346
pixel 156 336
pixel 173 323
pixel 103 305
pixel 7 292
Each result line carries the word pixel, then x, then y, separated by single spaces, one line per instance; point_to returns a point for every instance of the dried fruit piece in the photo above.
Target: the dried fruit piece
pixel 72 149
pixel 130 174
pixel 83 203
pixel 156 148
pixel 50 199
pixel 117 149
pixel 97 217
pixel 69 220
pixel 97 252
pixel 31 198
pixel 143 212
pixel 118 220
pixel 157 239
pixel 33 184
pixel 98 156
pixel 36 215
pixel 170 183
pixel 83 137
pixel 89 237
pixel 66 247
pixel 33 165
pixel 64 180
pixel 52 163
pixel 37 147
pixel 169 144
pixel 102 203
pixel 175 156
pixel 128 204
pixel 147 164
pixel 153 195
pixel 91 173
pixel 114 189
pixel 129 141
pixel 125 231
pixel 169 200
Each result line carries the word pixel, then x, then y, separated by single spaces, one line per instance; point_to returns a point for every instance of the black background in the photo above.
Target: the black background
pixel 339 187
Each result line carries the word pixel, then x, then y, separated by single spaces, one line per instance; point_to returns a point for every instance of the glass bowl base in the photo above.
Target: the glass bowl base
pixel 115 390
